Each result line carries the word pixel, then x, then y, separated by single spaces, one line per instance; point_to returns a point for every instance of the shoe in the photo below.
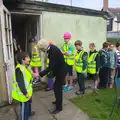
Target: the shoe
pixel 79 93
pixel 56 111
pixel 110 86
pixel 32 113
pixel 69 89
pixel 65 87
pixel 54 102
pixel 36 82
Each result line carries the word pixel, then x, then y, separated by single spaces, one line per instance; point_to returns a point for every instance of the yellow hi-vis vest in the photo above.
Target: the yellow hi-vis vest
pixel 92 63
pixel 47 62
pixel 68 59
pixel 79 62
pixel 16 92
pixel 36 59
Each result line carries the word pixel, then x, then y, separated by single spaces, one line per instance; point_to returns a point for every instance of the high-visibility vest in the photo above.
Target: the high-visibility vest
pixel 47 62
pixel 68 59
pixel 79 62
pixel 35 59
pixel 92 63
pixel 28 78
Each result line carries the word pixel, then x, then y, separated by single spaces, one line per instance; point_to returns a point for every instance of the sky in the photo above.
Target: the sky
pixel 91 4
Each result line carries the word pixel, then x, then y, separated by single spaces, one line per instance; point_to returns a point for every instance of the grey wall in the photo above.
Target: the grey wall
pixel 85 28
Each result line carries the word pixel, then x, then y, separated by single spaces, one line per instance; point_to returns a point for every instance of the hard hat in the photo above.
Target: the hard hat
pixel 67 35
pixel 51 43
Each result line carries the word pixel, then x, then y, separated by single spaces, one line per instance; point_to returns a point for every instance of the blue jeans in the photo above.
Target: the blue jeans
pixel 25 110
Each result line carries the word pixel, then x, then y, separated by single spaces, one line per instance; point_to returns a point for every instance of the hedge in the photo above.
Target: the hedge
pixel 113 40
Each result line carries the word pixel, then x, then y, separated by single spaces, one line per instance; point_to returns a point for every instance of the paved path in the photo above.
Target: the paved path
pixel 42 104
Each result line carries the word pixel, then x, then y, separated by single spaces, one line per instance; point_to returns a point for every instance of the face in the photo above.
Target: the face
pixel 118 48
pixel 27 60
pixel 92 48
pixel 66 40
pixel 112 47
pixel 78 47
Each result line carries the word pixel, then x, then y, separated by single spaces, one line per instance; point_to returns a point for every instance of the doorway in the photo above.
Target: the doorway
pixel 24 27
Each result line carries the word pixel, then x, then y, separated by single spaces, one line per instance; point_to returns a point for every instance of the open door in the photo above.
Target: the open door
pixel 7 48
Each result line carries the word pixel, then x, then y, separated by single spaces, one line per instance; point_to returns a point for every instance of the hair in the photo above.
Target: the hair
pixel 78 42
pixel 92 44
pixel 21 56
pixel 117 44
pixel 105 44
pixel 43 44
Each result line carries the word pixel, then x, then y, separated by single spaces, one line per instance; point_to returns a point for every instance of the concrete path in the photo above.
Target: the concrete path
pixel 42 104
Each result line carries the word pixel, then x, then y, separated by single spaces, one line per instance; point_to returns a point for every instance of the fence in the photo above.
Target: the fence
pixel 111 34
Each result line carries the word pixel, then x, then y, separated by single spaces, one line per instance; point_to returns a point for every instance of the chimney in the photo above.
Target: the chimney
pixel 105 5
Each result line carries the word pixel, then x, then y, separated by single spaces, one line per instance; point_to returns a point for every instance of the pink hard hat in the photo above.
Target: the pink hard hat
pixel 67 35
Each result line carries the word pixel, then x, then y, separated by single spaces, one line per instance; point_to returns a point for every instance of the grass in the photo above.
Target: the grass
pixel 98 105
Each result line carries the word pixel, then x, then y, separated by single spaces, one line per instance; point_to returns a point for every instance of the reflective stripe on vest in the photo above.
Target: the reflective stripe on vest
pixel 92 63
pixel 68 59
pixel 79 62
pixel 16 92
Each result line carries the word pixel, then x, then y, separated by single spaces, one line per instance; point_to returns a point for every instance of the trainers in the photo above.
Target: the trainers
pixel 69 89
pixel 65 87
pixel 110 86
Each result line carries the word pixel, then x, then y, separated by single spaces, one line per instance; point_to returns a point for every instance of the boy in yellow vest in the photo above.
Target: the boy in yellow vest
pixel 22 85
pixel 81 58
pixel 93 64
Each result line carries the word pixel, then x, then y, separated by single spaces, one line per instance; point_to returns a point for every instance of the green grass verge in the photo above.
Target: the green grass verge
pixel 98 105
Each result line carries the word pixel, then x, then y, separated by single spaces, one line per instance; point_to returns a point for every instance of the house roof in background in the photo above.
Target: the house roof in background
pixel 115 12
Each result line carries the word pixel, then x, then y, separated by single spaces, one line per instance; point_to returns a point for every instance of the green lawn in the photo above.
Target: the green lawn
pixel 98 105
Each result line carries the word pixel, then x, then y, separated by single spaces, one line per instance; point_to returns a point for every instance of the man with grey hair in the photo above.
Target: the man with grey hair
pixel 57 66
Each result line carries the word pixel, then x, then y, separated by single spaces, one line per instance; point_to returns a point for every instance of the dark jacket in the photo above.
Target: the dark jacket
pixel 56 63
pixel 104 58
pixel 97 59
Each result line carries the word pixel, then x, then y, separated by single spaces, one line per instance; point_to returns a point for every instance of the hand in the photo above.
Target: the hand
pixel 35 74
pixel 27 96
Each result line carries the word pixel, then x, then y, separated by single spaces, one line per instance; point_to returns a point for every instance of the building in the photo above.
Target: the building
pixel 21 19
pixel 114 23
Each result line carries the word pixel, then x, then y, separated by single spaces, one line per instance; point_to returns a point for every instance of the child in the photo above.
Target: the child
pixel 118 59
pixel 93 64
pixel 68 51
pixel 104 66
pixel 22 85
pixel 112 65
pixel 35 62
pixel 81 66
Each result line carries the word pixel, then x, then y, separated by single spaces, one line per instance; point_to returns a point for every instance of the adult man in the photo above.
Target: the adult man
pixel 57 66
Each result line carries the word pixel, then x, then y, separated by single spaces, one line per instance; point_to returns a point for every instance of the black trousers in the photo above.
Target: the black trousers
pixel 81 82
pixel 58 91
pixel 104 77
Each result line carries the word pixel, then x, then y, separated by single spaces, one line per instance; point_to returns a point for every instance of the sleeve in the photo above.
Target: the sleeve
pixel 85 60
pixel 20 81
pixel 71 49
pixel 115 60
pixel 52 63
pixel 97 59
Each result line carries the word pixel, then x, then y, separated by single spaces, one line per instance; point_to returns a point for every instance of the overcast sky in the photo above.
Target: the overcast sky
pixel 92 4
